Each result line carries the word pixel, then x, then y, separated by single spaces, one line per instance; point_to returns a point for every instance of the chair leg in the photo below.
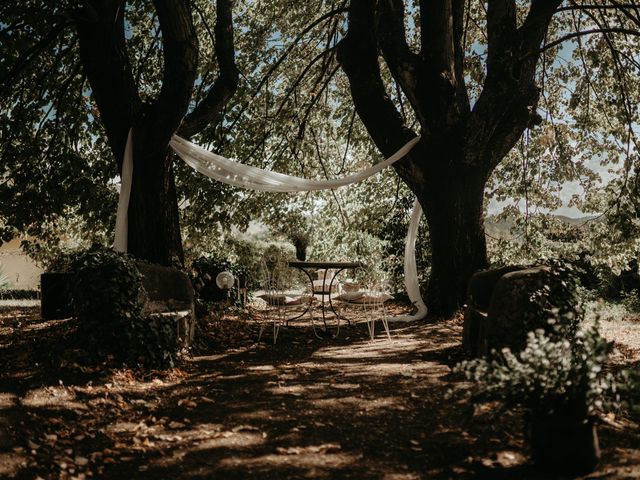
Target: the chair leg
pixel 276 330
pixel 278 321
pixel 385 322
pixel 262 325
pixel 371 322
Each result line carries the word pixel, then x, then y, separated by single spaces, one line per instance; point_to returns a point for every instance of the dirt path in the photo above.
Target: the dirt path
pixel 304 408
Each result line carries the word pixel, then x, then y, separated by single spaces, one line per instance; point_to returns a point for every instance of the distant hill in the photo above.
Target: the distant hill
pixel 501 228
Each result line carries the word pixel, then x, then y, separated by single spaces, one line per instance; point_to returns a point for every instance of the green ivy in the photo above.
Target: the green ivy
pixel 549 375
pixel 107 297
pixel 203 273
pixel 557 305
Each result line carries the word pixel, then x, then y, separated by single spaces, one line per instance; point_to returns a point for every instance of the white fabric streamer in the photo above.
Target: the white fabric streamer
pixel 411 283
pixel 245 176
pixel 122 217
pixel 233 173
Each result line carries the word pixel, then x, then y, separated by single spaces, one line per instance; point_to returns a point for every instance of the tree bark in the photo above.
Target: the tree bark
pixel 154 226
pixel 460 145
pixel 154 229
pixel 453 206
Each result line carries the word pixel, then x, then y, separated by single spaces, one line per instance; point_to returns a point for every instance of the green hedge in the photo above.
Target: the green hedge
pixel 107 298
pixel 19 294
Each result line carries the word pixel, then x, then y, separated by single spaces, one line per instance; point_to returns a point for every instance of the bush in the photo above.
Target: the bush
pixel 549 375
pixel 107 292
pixel 203 277
pixel 203 273
pixel 631 392
pixel 18 294
pixel 556 306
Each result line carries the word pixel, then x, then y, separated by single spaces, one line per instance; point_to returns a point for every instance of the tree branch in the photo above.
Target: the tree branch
pixel 29 56
pixel 508 102
pixel 358 56
pixel 595 7
pixel 436 24
pixel 100 27
pixel 501 36
pixel 180 51
pixel 227 82
pixel 459 46
pixel 569 36
pixel 282 58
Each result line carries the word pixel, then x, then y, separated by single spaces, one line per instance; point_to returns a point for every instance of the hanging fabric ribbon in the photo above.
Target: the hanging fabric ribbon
pixel 411 283
pixel 122 217
pixel 245 176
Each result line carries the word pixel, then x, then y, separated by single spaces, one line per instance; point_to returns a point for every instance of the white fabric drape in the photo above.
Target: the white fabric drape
pixel 411 283
pixel 233 173
pixel 122 217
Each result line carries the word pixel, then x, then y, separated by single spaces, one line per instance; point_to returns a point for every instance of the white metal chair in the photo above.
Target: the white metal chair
pixel 280 301
pixel 371 301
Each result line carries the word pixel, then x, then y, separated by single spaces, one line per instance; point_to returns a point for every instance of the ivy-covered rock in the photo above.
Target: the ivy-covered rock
pixel 204 271
pixel 539 297
pixel 107 295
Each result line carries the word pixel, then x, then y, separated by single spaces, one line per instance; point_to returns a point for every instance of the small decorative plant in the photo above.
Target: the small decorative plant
pixel 300 239
pixel 549 375
pixel 562 384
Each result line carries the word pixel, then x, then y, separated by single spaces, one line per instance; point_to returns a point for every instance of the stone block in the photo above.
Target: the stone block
pixel 500 310
pixel 482 284
pixel 473 330
pixel 511 306
pixel 168 291
pixel 55 295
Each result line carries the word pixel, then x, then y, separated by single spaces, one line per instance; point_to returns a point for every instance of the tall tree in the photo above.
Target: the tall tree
pixel 461 143
pixel 154 231
pixel 103 38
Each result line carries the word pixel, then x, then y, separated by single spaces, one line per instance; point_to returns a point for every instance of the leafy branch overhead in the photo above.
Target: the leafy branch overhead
pixel 316 89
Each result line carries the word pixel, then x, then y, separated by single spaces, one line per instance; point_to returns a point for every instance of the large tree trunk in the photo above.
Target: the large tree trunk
pixel 154 228
pixel 453 205
pixel 461 143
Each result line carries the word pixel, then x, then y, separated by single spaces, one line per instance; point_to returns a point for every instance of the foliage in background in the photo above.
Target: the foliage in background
pixel 107 292
pixel 292 113
pixel 19 294
pixel 4 279
pixel 631 391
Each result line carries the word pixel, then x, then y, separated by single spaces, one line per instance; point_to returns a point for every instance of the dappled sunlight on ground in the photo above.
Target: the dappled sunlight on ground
pixel 303 408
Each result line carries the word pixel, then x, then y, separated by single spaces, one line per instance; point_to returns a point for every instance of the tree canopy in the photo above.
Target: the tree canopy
pixel 299 109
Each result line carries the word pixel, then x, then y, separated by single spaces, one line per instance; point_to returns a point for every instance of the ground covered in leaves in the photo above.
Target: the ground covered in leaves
pixel 303 408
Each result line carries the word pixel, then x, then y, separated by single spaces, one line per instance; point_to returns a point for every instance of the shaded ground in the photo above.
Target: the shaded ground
pixel 304 408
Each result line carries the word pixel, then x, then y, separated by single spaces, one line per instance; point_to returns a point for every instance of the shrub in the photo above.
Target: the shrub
pixel 107 292
pixel 631 392
pixel 556 305
pixel 203 273
pixel 4 279
pixel 18 294
pixel 203 277
pixel 549 375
